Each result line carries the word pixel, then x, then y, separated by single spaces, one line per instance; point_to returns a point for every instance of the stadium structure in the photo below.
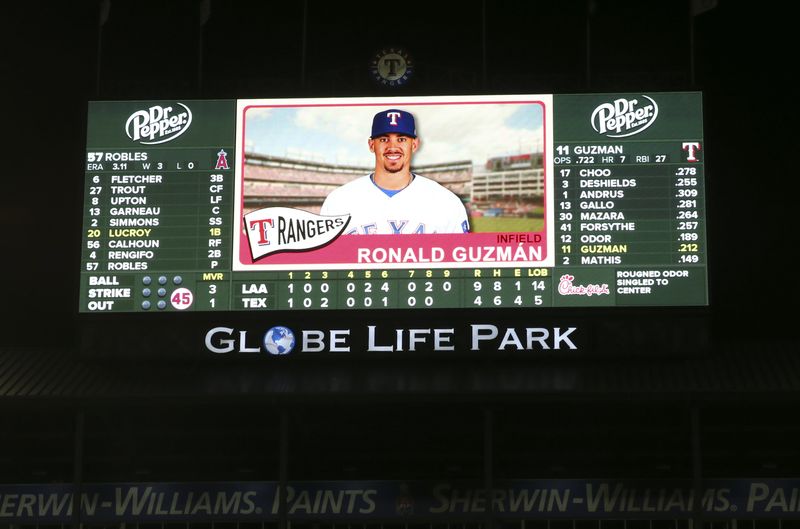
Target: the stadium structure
pixel 691 424
pixel 508 186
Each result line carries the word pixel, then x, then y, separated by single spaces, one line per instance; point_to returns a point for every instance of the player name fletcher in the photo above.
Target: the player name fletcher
pixel 459 254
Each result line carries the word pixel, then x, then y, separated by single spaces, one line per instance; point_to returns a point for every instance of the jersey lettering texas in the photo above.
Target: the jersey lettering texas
pixel 397 227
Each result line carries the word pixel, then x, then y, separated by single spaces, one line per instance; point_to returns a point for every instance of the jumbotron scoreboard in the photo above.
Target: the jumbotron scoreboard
pixel 585 200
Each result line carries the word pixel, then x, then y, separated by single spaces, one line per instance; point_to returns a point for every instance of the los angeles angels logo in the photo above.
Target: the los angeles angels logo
pixel 222 160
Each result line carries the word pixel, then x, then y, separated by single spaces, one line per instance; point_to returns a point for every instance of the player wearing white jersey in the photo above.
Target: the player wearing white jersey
pixel 392 199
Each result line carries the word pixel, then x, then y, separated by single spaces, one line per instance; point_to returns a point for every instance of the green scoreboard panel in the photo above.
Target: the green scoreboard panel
pixel 590 200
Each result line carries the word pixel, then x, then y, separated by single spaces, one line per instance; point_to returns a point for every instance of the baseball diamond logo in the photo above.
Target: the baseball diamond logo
pixel 391 67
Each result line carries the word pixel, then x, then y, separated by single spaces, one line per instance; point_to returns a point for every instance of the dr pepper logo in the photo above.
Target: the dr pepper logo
pixel 624 117
pixel 158 124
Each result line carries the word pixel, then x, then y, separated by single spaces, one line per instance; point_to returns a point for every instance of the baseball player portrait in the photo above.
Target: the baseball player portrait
pixel 392 199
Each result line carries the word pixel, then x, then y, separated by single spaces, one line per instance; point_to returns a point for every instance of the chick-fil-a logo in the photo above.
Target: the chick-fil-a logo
pixel 566 287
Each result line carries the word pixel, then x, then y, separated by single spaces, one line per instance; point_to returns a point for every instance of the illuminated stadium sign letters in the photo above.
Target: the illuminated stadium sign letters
pixel 477 337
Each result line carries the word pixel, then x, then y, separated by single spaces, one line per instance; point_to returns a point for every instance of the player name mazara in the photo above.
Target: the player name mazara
pixel 459 254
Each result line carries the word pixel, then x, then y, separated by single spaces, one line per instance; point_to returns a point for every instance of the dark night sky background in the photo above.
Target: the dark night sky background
pixel 745 55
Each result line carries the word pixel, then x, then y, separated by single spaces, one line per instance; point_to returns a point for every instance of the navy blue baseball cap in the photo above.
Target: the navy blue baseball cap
pixel 393 120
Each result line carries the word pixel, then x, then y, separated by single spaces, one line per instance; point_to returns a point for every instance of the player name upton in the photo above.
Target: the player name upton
pixel 459 254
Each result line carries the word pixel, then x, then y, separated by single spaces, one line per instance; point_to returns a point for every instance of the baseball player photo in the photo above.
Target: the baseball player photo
pixel 437 170
pixel 392 199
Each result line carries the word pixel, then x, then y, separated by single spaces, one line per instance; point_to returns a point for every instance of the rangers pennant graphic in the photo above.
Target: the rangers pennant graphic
pixel 272 230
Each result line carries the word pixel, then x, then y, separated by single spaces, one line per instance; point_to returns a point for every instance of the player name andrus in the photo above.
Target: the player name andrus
pixel 603 193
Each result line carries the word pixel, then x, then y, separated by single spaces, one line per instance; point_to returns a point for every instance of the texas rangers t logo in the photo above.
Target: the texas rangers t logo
pixel 393 116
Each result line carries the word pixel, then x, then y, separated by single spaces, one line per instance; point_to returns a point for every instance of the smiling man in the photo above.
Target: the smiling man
pixel 392 199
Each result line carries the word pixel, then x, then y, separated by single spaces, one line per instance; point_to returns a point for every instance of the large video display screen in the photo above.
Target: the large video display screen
pixel 531 200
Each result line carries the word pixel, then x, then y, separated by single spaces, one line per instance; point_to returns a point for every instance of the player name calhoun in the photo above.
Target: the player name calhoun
pixel 272 230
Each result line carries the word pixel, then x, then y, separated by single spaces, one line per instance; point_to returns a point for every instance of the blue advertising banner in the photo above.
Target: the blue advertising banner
pixel 393 500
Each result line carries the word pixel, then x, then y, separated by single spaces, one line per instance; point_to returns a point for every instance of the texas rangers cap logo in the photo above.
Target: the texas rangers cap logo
pixel 393 120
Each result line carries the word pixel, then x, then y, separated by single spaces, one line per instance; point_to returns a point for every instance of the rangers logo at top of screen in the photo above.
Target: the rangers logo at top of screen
pixel 158 124
pixel 391 67
pixel 624 117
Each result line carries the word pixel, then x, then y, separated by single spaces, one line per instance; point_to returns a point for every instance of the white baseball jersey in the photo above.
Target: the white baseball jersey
pixel 424 206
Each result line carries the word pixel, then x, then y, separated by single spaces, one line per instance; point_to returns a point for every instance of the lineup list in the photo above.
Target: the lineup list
pixel 154 220
pixel 632 209
pixel 629 198
pixel 628 218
